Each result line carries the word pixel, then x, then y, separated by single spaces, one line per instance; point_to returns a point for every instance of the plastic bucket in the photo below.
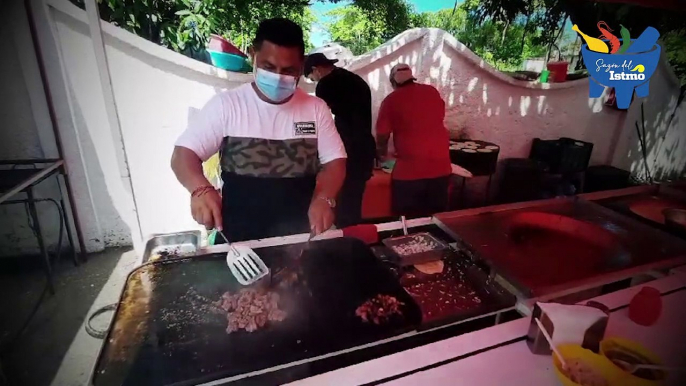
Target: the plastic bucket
pixel 558 71
pixel 219 44
pixel 226 61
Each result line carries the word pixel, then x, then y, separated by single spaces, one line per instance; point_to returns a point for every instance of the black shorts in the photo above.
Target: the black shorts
pixel 418 198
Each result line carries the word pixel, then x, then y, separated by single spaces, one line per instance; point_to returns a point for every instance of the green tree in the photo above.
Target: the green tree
pixel 548 16
pixel 361 26
pixel 503 45
pixel 185 25
pixel 354 29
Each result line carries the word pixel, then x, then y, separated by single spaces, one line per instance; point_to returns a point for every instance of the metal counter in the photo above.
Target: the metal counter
pixel 554 245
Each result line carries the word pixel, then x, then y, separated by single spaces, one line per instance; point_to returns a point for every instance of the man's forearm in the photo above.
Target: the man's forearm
pixel 330 179
pixel 382 144
pixel 188 169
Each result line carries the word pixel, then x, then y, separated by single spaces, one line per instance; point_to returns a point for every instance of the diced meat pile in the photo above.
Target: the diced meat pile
pixel 417 244
pixel 250 310
pixel 379 309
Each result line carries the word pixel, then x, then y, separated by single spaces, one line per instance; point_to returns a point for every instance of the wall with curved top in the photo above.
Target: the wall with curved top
pixel 485 104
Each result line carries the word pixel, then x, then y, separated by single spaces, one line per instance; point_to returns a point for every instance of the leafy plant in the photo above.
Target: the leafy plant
pixel 501 43
pixel 185 25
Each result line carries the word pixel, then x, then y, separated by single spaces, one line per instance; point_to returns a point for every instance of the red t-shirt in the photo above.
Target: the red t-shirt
pixel 414 115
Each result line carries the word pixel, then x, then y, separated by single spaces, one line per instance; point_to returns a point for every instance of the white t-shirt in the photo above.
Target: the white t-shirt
pixel 240 113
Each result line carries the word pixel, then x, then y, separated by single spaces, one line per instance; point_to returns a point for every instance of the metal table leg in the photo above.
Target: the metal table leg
pixel 39 236
pixel 75 215
pixel 75 256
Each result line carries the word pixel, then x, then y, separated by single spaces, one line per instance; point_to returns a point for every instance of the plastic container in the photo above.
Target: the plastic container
pixel 219 44
pixel 564 155
pixel 646 306
pixel 601 365
pixel 395 245
pixel 558 71
pixel 605 177
pixel 230 62
pixel 522 180
pixel 624 378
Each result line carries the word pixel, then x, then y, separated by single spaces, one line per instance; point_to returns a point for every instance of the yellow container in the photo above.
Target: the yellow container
pixel 627 346
pixel 601 365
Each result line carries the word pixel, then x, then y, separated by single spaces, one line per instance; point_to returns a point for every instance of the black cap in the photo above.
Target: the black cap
pixel 316 59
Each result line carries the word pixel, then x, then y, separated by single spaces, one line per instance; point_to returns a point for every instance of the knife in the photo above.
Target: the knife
pixel 293 262
pixel 307 244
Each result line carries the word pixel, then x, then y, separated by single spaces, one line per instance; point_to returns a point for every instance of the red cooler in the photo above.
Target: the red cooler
pixel 558 71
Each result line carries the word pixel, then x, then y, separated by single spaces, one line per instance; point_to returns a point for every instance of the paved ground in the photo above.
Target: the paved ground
pixel 54 348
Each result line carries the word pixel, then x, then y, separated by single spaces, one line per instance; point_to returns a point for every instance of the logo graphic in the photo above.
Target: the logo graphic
pixel 624 64
pixel 304 128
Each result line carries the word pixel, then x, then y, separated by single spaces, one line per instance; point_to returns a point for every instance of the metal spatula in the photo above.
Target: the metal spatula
pixel 244 263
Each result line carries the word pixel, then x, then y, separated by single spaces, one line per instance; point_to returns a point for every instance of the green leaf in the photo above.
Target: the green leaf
pixel 182 12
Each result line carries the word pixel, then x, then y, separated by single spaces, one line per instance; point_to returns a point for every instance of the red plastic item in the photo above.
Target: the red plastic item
pixel 558 71
pixel 218 43
pixel 365 232
pixel 646 306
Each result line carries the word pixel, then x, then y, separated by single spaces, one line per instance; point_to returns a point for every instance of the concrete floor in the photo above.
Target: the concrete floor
pixel 54 349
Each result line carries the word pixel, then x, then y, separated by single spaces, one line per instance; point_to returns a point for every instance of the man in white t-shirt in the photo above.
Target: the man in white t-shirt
pixel 282 159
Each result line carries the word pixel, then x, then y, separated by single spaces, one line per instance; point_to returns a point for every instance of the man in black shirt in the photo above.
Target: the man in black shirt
pixel 350 101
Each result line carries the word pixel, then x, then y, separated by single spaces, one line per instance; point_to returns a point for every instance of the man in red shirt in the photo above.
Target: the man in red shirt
pixel 414 114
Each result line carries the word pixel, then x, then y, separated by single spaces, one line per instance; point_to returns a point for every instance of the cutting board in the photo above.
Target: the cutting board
pixel 163 332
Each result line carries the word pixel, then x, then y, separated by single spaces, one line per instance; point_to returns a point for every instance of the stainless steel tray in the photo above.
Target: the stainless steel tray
pixel 170 245
pixel 395 243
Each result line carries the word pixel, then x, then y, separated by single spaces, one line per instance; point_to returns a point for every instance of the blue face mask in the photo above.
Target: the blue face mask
pixel 274 86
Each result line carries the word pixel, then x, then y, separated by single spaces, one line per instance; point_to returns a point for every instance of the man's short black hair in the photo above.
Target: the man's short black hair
pixel 281 32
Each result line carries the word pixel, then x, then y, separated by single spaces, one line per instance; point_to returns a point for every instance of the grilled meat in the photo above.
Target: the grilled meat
pixel 379 309
pixel 250 309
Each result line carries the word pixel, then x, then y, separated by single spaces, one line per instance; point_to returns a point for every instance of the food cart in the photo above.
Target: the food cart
pixel 470 319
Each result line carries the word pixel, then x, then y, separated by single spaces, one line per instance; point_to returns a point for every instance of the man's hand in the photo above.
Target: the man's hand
pixel 207 209
pixel 321 216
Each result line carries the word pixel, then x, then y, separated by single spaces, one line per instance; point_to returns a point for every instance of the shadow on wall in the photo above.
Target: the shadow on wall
pixel 20 139
pixel 115 219
pixel 665 130
pixel 665 143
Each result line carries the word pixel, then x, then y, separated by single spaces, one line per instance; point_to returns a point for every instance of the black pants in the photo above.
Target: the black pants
pixel 349 206
pixel 418 198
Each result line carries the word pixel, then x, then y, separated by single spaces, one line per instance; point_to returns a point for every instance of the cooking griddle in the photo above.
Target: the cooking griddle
pixel 552 246
pixel 646 207
pixel 166 331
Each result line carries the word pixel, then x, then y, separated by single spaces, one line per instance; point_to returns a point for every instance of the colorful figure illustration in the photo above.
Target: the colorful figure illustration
pixel 593 44
pixel 606 33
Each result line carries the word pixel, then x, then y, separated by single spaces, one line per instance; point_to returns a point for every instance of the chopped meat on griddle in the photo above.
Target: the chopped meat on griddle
pixel 249 309
pixel 379 309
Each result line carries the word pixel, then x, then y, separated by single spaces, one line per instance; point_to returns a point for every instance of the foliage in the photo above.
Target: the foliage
pixel 674 43
pixel 586 15
pixel 367 24
pixel 185 25
pixel 503 44
pixel 354 29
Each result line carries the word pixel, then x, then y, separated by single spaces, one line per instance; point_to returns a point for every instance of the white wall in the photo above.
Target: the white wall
pixel 20 117
pixel 156 90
